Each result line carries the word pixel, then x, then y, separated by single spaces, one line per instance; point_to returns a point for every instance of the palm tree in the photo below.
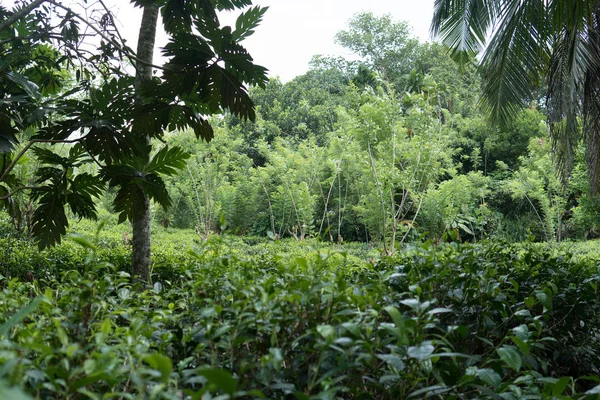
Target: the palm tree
pixel 523 44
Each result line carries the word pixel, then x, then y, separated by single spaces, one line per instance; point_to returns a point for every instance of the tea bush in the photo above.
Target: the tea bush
pixel 490 321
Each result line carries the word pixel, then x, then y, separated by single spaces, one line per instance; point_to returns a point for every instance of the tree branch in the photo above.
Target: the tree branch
pixel 20 14
pixel 18 190
pixel 28 146
pixel 121 46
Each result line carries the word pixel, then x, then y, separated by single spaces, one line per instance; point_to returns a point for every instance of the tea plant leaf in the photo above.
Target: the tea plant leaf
pixel 510 356
pixel 545 297
pixel 399 322
pixel 439 310
pixel 327 331
pixel 220 379
pixel 487 375
pixel 82 240
pixel 12 393
pixel 430 391
pixel 555 387
pixel 392 360
pixel 162 364
pixel 421 352
pixel 19 316
pixel 594 390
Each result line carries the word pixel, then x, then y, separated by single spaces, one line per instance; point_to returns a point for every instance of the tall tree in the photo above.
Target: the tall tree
pixel 110 117
pixel 385 45
pixel 525 42
pixel 141 216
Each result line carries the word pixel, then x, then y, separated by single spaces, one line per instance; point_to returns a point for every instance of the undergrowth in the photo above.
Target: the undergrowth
pixel 451 321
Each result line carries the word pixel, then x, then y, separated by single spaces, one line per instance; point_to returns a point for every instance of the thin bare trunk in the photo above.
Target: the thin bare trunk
pixel 141 218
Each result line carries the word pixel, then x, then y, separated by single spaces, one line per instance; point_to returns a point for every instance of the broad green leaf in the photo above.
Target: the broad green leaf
pixel 81 240
pixel 510 355
pixel 156 190
pixel 162 364
pixel 24 83
pixel 248 21
pixel 12 393
pixel 327 331
pixel 392 360
pixel 545 297
pixel 398 321
pixel 128 196
pixel 219 378
pixel 430 391
pixel 19 316
pixel 49 219
pixel 421 352
pixel 487 375
pixel 168 161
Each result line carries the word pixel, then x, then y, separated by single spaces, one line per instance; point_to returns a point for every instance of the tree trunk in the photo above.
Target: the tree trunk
pixel 141 217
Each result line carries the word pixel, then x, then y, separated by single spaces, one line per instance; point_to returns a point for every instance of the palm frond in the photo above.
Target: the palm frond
pixel 591 103
pixel 571 87
pixel 514 61
pixel 463 25
pixel 563 106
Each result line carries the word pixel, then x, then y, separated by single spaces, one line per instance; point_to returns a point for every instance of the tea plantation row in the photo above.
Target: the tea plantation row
pixel 453 321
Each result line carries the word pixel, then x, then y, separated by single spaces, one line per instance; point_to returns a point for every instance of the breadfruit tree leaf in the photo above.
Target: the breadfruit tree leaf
pixel 168 161
pixel 84 188
pixel 49 219
pixel 156 190
pixel 248 21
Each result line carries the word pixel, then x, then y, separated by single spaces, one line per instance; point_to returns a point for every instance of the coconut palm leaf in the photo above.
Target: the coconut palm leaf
pixel 531 41
pixel 463 25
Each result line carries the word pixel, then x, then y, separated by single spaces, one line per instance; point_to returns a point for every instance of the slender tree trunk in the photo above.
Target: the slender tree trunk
pixel 141 217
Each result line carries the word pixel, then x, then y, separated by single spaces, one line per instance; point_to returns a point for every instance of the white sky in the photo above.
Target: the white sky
pixel 293 31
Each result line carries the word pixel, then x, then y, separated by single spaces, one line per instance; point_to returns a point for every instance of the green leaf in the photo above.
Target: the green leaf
pixel 128 197
pixel 19 316
pixel 487 375
pixel 421 352
pixel 177 16
pixel 231 4
pixel 155 188
pixel 29 87
pixel 81 240
pixel 7 135
pixel 398 321
pixel 430 391
pixel 327 331
pixel 12 393
pixel 510 355
pixel 392 360
pixel 168 161
pixel 220 379
pixel 49 219
pixel 247 22
pixel 162 364
pixel 545 297
pixel 47 156
pixel 182 117
pixel 84 188
pixel 558 387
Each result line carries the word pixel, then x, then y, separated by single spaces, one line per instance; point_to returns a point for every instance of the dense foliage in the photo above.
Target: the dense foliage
pixel 453 321
pixel 355 240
